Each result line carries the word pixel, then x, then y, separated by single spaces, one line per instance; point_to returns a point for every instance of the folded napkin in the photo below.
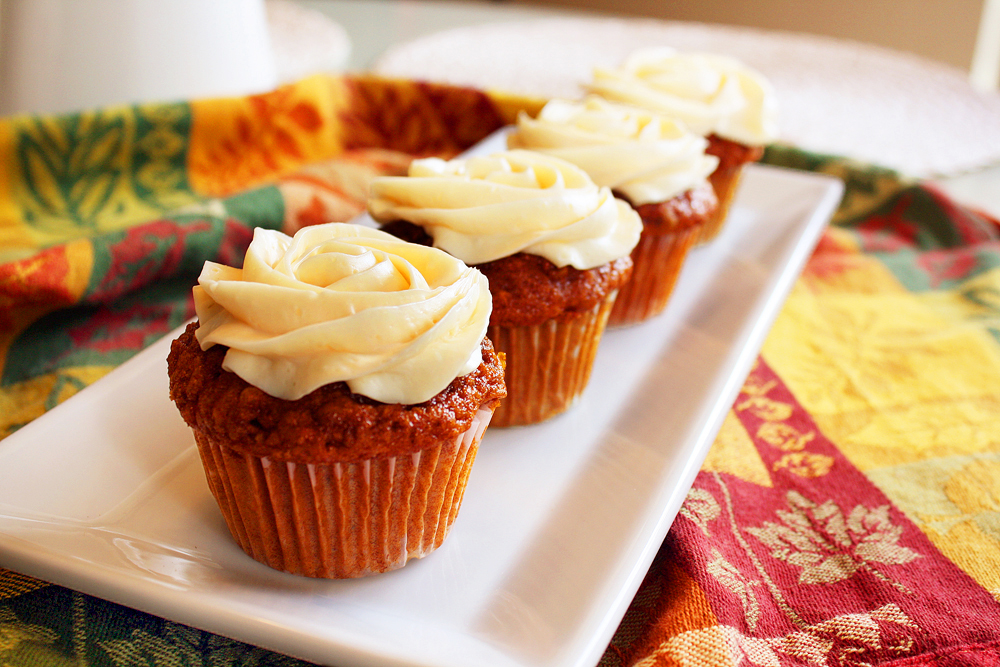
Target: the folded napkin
pixel 847 514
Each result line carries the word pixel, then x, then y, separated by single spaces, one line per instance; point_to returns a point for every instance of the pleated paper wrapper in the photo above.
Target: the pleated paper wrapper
pixel 549 364
pixel 342 520
pixel 725 181
pixel 657 261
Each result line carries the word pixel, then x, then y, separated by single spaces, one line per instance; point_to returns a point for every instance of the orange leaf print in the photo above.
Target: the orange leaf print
pixel 805 464
pixel 784 436
pixel 243 142
pixel 417 118
pixel 306 116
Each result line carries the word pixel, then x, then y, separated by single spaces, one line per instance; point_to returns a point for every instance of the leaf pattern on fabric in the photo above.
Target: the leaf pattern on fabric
pixel 180 645
pixel 777 431
pixel 851 639
pixel 784 436
pixel 260 137
pixel 757 401
pixel 805 464
pixel 100 170
pixel 701 508
pixel 828 546
pixel 71 168
pixel 17 636
pixel 766 408
pixel 847 640
pixel 419 118
pixel 732 578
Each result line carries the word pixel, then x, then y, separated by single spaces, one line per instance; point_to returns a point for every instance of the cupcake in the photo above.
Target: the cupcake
pixel 554 246
pixel 650 161
pixel 715 96
pixel 338 386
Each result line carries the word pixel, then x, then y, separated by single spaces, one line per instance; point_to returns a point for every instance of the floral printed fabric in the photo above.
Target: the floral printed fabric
pixel 849 510
pixel 848 513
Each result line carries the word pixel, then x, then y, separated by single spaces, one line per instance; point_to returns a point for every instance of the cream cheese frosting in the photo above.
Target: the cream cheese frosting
pixel 646 156
pixel 710 93
pixel 396 321
pixel 481 209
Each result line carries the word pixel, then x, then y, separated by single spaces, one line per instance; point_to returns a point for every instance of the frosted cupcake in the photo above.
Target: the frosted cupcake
pixel 715 96
pixel 554 246
pixel 648 160
pixel 338 386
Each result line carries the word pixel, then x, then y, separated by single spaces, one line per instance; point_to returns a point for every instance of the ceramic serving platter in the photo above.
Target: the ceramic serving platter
pixel 105 493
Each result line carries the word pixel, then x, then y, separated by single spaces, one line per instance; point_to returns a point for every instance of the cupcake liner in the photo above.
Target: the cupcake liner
pixel 342 520
pixel 548 365
pixel 657 261
pixel 725 181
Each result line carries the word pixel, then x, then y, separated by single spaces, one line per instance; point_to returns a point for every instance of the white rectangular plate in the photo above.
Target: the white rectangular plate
pixel 105 493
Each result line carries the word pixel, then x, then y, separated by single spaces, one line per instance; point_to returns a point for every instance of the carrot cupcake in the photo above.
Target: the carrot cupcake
pixel 554 246
pixel 715 96
pixel 648 160
pixel 338 386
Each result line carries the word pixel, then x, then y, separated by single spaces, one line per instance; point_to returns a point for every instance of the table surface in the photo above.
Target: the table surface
pixel 376 25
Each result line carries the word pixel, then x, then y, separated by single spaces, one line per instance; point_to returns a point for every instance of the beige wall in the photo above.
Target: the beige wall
pixel 944 30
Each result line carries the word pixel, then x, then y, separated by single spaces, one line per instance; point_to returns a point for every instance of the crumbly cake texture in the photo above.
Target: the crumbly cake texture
pixel 529 290
pixel 691 207
pixel 331 424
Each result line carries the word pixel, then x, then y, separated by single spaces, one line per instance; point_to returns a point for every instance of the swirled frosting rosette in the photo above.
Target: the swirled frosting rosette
pixel 554 245
pixel 646 156
pixel 716 96
pixel 709 93
pixel 395 321
pixel 481 209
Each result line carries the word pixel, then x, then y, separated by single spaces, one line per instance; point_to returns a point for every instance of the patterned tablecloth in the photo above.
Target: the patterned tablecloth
pixel 848 513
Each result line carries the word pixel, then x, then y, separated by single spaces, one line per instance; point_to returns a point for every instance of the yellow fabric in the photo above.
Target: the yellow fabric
pixel 241 142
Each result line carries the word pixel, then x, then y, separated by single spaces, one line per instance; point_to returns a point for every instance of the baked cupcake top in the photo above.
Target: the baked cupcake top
pixel 709 93
pixel 481 209
pixel 395 321
pixel 327 425
pixel 645 156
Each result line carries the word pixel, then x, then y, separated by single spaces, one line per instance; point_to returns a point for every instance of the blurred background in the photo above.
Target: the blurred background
pixel 66 55
pixel 48 47
pixel 943 30
pixel 961 33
